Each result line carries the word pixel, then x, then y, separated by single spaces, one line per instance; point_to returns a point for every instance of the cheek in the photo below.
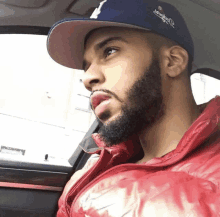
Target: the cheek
pixel 120 76
pixel 115 107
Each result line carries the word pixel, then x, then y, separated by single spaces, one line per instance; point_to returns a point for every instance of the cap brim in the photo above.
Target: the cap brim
pixel 65 41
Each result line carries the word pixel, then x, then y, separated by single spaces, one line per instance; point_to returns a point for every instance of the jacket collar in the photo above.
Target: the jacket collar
pixel 202 128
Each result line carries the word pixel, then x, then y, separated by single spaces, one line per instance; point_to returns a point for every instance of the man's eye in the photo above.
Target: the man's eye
pixel 109 51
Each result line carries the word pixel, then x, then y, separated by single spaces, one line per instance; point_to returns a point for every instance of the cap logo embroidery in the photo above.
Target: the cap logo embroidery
pixel 97 11
pixel 160 9
pixel 160 13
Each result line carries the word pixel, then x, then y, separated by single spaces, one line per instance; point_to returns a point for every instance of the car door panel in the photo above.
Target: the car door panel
pixel 31 192
pixel 28 202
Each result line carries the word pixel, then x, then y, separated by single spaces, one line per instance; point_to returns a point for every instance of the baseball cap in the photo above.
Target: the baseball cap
pixel 65 41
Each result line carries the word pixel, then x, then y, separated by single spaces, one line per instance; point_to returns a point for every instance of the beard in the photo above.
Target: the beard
pixel 143 107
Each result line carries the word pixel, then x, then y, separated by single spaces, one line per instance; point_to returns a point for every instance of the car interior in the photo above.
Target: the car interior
pixel 29 188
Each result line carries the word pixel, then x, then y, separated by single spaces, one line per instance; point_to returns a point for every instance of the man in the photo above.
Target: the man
pixel 158 152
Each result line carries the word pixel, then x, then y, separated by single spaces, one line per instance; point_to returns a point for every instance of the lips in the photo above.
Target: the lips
pixel 98 98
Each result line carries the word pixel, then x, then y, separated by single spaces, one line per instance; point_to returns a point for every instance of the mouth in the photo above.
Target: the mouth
pixel 98 98
pixel 101 109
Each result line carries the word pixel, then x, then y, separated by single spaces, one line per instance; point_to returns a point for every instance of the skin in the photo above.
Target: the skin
pixel 160 109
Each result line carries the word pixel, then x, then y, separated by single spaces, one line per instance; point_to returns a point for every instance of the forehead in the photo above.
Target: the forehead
pixel 98 35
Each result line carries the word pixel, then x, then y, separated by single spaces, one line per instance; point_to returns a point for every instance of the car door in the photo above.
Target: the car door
pixel 39 121
pixel 44 109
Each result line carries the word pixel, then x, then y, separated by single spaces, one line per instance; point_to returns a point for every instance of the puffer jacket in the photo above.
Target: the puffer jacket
pixel 184 182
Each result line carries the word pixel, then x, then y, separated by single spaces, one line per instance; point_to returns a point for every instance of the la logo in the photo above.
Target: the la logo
pixel 97 11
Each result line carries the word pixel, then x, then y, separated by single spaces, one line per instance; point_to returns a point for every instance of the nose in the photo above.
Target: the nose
pixel 92 77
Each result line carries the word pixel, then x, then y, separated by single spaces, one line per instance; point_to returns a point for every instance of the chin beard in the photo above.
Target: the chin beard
pixel 143 107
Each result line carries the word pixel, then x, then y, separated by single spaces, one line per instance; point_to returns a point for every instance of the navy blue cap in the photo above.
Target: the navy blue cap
pixel 66 37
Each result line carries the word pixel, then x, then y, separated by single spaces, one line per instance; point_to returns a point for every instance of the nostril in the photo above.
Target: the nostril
pixel 94 81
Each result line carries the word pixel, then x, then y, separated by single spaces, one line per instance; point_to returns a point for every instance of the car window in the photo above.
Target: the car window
pixel 204 87
pixel 44 108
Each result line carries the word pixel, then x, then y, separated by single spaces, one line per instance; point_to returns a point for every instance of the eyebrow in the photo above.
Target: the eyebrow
pixel 102 44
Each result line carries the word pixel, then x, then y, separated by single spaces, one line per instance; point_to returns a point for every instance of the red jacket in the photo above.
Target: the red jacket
pixel 184 182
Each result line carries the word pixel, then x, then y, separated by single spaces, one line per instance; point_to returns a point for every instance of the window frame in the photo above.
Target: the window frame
pixel 13 171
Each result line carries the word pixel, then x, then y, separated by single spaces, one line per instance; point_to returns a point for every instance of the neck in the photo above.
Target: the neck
pixel 165 134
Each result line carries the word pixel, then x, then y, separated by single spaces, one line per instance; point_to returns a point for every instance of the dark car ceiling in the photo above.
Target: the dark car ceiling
pixel 44 12
pixel 201 16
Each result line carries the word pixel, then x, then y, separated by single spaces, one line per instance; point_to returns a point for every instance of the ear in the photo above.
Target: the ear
pixel 175 61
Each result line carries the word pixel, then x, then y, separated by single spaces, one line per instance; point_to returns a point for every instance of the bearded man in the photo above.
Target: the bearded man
pixel 157 150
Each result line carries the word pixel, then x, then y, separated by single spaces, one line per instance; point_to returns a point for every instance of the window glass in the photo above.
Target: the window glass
pixel 204 87
pixel 44 108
